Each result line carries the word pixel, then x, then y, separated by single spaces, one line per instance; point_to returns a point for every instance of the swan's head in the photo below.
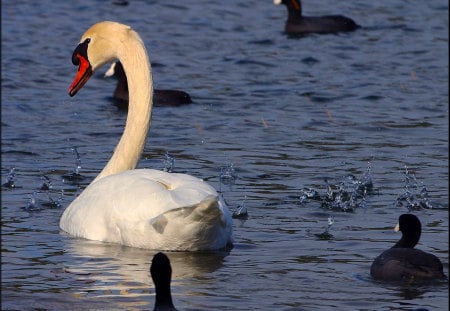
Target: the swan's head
pixel 100 44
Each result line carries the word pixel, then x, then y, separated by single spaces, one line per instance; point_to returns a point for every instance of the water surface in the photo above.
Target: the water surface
pixel 281 113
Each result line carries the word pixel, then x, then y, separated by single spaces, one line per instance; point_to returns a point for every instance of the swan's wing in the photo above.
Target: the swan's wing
pixel 204 212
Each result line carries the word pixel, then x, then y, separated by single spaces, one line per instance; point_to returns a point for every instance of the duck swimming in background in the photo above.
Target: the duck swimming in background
pixel 160 97
pixel 402 261
pixel 143 208
pixel 299 24
pixel 161 273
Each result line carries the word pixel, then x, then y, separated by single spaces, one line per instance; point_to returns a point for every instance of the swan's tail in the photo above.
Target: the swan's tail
pixel 205 211
pixel 204 224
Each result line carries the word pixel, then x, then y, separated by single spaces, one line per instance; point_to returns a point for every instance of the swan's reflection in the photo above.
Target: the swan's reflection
pixel 104 269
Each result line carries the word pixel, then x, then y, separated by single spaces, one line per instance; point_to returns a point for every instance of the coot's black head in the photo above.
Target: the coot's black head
pixel 411 229
pixel 161 273
pixel 160 270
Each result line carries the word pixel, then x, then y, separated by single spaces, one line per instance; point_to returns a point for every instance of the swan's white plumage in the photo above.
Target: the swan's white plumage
pixel 150 209
pixel 142 207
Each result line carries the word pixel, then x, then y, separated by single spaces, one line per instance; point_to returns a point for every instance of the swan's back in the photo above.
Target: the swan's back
pixel 150 209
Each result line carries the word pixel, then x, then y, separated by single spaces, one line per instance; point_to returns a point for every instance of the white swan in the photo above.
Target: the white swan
pixel 140 207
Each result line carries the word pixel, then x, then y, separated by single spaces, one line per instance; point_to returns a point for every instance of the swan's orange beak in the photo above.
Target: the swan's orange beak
pixel 83 74
pixel 80 58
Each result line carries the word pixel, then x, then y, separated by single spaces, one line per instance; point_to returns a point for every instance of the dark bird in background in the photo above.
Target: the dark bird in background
pixel 402 262
pixel 160 97
pixel 161 273
pixel 302 25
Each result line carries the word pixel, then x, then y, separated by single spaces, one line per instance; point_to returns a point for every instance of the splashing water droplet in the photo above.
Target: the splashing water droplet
pixel 77 160
pixel 415 196
pixel 241 211
pixel 330 221
pixel 32 202
pixel 326 235
pixel 10 179
pixel 47 183
pixel 168 162
pixel 75 176
pixel 227 176
pixel 308 194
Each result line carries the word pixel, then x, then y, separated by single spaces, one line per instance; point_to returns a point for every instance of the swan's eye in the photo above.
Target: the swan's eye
pixel 81 49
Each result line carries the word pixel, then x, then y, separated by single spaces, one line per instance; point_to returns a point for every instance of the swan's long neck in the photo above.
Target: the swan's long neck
pixel 136 64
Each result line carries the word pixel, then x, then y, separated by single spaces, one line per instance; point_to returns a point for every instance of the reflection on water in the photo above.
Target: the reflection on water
pixel 133 264
pixel 111 271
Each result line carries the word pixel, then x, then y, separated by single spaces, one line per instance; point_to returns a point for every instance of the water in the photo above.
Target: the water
pixel 272 115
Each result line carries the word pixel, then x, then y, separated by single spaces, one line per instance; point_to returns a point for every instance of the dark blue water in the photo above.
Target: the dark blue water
pixel 280 113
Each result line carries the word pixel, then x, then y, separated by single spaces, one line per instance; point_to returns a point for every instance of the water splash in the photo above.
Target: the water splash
pixel 326 235
pixel 307 194
pixel 47 187
pixel 32 204
pixel 227 176
pixel 415 195
pixel 367 184
pixel 330 221
pixel 10 179
pixel 241 211
pixel 47 183
pixel 51 203
pixel 168 162
pixel 345 195
pixel 37 203
pixel 75 175
pixel 77 160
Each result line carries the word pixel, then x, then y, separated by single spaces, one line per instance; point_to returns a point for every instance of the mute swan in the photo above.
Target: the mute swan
pixel 161 273
pixel 403 261
pixel 161 97
pixel 299 24
pixel 140 207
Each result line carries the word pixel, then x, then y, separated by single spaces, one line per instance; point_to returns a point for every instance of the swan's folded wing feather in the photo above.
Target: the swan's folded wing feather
pixel 205 212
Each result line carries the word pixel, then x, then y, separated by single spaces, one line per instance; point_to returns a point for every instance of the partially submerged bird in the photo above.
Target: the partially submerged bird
pixel 161 273
pixel 298 24
pixel 143 208
pixel 161 97
pixel 403 262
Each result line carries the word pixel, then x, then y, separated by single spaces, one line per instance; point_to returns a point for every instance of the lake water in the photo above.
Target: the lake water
pixel 273 118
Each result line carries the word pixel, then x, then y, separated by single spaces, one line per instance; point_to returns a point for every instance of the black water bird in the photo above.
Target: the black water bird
pixel 301 25
pixel 161 273
pixel 161 97
pixel 402 262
